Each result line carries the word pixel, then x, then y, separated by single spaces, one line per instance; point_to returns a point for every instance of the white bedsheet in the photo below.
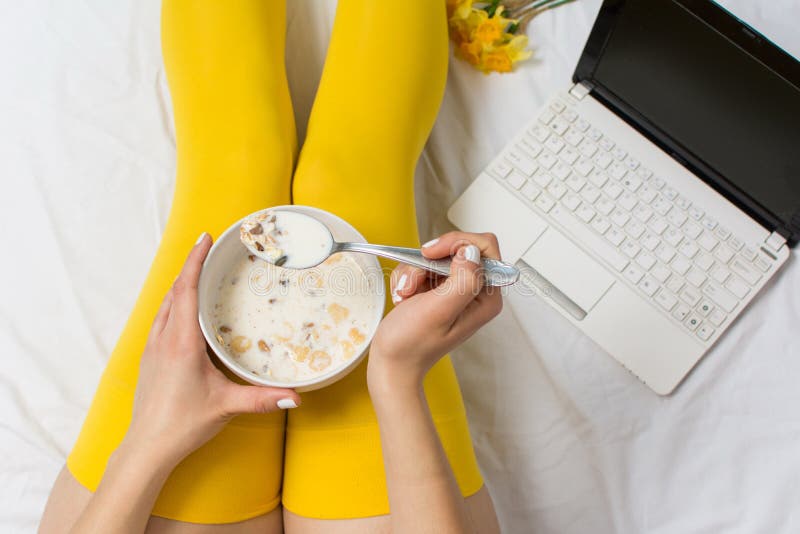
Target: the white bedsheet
pixel 567 439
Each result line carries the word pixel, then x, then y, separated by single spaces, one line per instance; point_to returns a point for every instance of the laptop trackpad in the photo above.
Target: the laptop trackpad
pixel 569 269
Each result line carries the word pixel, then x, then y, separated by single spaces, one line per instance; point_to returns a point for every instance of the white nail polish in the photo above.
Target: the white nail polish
pixel 430 243
pixel 472 254
pixel 401 283
pixel 285 404
pixel 200 238
pixel 396 298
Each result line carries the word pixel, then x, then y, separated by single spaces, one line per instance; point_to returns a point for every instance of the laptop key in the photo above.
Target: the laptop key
pixel 693 321
pixel 603 160
pixel 544 203
pixel 666 300
pixel 501 169
pixel 546 116
pixel 690 296
pixel 705 332
pixel 569 155
pixel 559 125
pixel 531 147
pixel 720 297
pixel 540 133
pixel 737 287
pixel 547 160
pixel 601 224
pixel 582 125
pixel 658 225
pixel 720 274
pixel 521 162
pixel 615 236
pixel 707 241
pixel 762 263
pixel 561 171
pixel 516 180
pixel 571 202
pixel 705 308
pixel 554 144
pixel 557 189
pixel 569 114
pixel 573 137
pixel 649 286
pixel 742 269
pixel 606 144
pixel 681 312
pixel 530 191
pixel 633 273
pixel 717 317
pixel 660 273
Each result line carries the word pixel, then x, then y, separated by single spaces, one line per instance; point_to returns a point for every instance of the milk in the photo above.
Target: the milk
pixel 292 325
pixel 286 238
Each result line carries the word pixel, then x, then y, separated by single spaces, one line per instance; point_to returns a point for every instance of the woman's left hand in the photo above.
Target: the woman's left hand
pixel 182 400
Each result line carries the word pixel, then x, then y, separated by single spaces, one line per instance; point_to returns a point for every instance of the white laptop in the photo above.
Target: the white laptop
pixel 652 200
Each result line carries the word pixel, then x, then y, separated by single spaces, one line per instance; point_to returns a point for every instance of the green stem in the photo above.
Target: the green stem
pixel 527 14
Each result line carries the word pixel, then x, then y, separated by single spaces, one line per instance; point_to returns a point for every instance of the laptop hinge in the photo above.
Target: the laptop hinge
pixel 581 89
pixel 775 241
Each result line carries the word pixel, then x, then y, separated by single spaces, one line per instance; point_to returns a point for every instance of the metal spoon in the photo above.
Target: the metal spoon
pixel 299 241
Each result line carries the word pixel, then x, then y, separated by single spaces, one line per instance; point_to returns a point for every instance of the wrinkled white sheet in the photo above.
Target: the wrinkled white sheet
pixel 567 439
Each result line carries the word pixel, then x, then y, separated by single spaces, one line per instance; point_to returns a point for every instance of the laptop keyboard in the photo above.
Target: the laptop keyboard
pixel 657 240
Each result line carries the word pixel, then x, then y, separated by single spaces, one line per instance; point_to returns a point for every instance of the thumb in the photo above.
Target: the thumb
pixel 464 283
pixel 259 399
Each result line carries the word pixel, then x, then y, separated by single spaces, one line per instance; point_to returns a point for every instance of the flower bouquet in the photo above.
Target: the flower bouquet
pixel 491 35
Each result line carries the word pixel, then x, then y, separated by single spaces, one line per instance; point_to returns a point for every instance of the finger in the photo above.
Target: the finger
pixel 161 316
pixel 185 287
pixel 406 281
pixel 258 399
pixel 486 306
pixel 449 243
pixel 462 286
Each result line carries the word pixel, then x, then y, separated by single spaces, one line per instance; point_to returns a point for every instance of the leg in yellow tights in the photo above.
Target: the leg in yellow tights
pixel 235 141
pixel 383 80
pixel 235 147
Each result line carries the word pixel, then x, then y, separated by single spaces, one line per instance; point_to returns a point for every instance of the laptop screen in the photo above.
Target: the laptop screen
pixel 713 99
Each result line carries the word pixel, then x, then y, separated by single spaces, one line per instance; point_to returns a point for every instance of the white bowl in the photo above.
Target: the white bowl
pixel 228 250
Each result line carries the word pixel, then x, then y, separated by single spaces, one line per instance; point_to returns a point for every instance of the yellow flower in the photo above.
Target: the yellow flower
pixel 459 31
pixel 463 29
pixel 497 61
pixel 458 9
pixel 503 58
pixel 490 30
pixel 471 52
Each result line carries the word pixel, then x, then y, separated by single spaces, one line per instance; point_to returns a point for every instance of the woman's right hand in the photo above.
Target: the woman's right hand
pixel 433 315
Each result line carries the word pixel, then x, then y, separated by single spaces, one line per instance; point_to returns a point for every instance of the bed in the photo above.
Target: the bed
pixel 568 441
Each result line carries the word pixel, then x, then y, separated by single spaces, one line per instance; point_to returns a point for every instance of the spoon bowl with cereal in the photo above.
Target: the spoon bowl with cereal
pixel 296 240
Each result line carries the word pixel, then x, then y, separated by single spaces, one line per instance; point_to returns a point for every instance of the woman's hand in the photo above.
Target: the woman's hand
pixel 182 400
pixel 433 315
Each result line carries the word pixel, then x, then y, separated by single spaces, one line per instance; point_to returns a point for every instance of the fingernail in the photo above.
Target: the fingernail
pixel 200 238
pixel 396 298
pixel 471 253
pixel 430 243
pixel 401 283
pixel 286 404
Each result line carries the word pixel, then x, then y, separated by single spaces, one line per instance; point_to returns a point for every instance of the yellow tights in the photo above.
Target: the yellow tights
pixel 380 91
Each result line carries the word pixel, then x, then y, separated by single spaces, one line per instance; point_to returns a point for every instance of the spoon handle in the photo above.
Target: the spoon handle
pixel 497 273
